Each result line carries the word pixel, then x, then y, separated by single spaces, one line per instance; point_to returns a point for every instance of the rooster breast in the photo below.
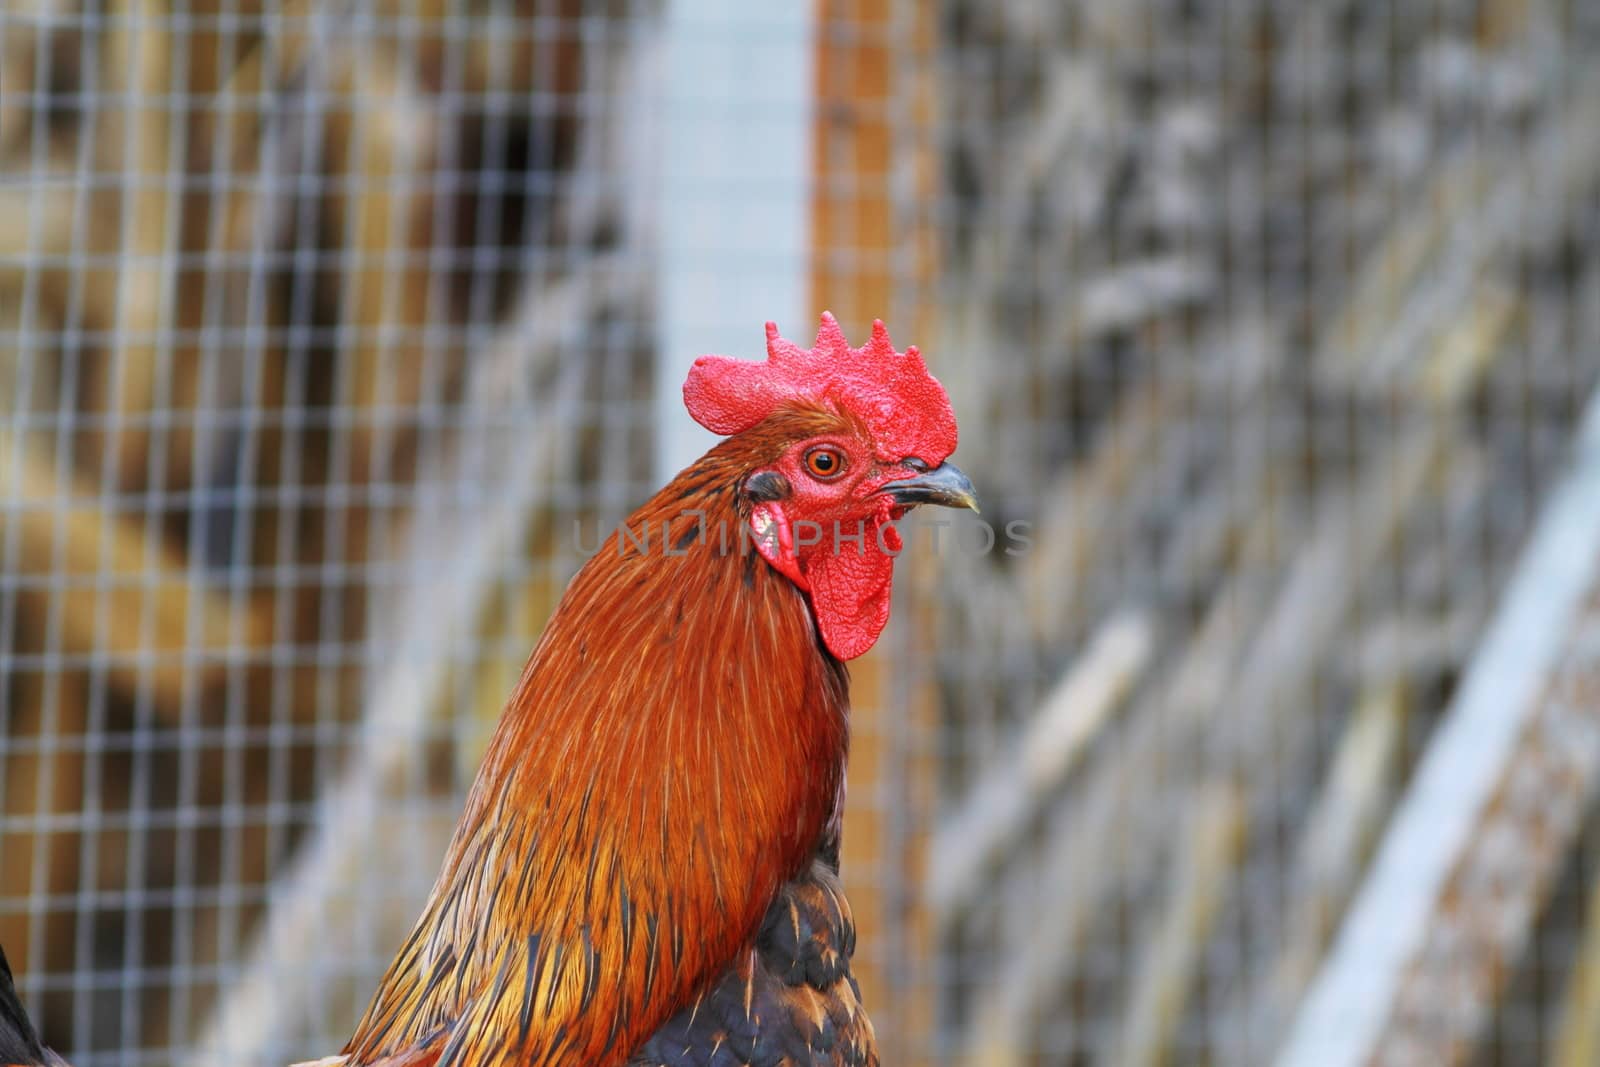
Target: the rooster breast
pixel 789 1001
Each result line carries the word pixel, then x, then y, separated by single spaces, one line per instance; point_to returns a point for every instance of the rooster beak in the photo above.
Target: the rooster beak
pixel 945 485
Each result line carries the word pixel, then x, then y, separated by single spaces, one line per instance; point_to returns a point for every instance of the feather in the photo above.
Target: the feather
pixel 671 758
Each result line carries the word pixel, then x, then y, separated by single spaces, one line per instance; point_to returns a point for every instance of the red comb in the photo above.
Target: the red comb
pixel 905 407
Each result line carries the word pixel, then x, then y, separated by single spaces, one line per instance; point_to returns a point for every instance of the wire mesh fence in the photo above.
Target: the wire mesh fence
pixel 330 336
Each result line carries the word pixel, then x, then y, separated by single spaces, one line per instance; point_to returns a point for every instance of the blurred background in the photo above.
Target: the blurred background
pixel 326 330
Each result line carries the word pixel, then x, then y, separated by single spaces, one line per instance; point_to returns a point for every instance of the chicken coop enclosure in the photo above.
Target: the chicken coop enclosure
pixel 331 336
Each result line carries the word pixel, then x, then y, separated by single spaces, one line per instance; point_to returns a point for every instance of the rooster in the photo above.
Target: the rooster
pixel 647 868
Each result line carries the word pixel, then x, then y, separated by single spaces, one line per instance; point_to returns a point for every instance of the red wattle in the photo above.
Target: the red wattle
pixel 850 597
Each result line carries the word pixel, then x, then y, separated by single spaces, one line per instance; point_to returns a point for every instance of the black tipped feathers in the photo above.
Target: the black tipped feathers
pixel 793 1003
pixel 764 486
pixel 19 1041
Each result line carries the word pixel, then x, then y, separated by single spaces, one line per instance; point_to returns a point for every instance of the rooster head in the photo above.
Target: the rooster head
pixel 824 501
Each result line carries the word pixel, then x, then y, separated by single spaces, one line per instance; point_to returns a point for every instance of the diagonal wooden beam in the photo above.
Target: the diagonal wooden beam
pixel 1482 829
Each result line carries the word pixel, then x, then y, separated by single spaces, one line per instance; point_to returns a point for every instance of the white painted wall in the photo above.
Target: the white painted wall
pixel 736 193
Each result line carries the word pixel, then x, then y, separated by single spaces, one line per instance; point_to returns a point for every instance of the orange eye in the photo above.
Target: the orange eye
pixel 824 463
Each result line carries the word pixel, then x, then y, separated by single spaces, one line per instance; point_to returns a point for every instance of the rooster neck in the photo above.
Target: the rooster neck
pixel 673 753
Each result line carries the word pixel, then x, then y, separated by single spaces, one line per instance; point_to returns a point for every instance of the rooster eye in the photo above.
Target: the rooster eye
pixel 824 463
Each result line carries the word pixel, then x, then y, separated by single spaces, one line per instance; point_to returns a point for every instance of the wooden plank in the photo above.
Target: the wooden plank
pixel 40 784
pixel 119 593
pixel 1013 790
pixel 1344 823
pixel 1485 821
pixel 871 63
pixel 1578 1040
pixel 1167 967
pixel 149 147
pixel 1107 809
